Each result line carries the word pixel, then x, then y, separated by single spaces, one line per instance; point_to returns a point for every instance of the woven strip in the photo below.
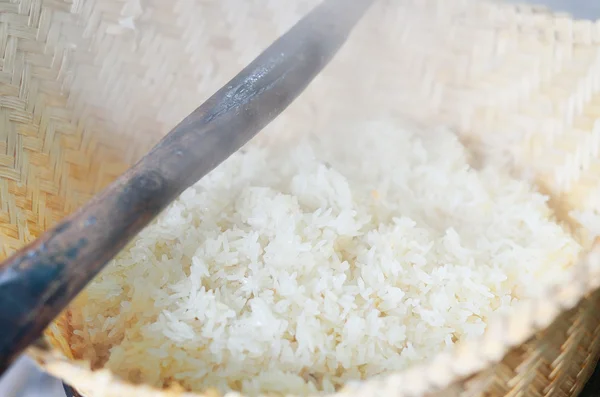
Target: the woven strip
pixel 87 86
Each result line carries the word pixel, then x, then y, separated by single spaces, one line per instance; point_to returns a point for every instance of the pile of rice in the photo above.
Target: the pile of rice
pixel 347 256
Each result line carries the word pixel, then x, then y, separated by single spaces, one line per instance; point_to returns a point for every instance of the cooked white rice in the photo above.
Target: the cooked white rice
pixel 295 271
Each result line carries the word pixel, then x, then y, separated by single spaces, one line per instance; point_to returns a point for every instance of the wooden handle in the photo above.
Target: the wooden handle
pixel 38 282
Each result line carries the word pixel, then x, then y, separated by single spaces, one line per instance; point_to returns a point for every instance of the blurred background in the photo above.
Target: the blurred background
pixel 587 9
pixel 24 379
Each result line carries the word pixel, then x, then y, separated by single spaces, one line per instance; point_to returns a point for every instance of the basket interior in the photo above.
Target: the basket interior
pixel 87 95
pixel 89 87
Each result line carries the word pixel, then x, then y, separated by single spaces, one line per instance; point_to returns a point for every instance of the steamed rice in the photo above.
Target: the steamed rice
pixel 298 270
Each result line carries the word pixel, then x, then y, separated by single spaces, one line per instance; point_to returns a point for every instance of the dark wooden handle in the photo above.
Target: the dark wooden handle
pixel 38 282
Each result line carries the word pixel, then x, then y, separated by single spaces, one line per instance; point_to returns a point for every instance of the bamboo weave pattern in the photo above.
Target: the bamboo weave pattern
pixel 87 86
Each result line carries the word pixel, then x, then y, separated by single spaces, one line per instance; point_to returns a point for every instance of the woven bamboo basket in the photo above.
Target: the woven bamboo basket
pixel 87 86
